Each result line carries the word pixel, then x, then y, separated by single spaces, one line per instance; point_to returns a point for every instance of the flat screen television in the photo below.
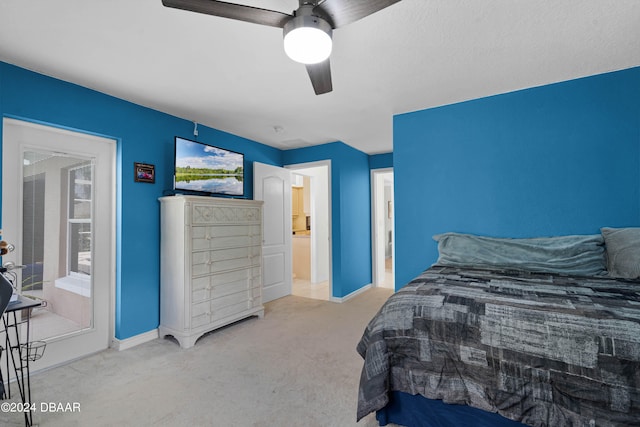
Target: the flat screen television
pixel 208 170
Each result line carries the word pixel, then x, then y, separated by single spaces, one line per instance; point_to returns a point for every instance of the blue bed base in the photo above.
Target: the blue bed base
pixel 417 411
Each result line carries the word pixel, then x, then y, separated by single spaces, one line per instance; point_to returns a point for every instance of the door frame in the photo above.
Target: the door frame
pixel 327 164
pixel 16 235
pixel 375 213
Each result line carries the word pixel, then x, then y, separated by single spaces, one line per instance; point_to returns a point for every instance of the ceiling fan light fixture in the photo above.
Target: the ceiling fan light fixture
pixel 307 39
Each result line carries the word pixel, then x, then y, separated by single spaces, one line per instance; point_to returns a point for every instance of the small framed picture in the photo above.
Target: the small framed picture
pixel 143 172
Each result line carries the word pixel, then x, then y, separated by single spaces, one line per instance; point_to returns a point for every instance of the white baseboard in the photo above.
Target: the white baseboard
pixel 352 294
pixel 134 341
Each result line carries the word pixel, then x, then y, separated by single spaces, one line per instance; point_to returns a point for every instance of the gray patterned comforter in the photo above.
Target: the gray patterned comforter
pixel 543 349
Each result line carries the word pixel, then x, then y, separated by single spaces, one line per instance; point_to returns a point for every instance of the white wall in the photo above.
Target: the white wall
pixel 382 225
pixel 388 218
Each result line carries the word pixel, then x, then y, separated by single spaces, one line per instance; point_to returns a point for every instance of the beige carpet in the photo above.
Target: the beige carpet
pixel 296 367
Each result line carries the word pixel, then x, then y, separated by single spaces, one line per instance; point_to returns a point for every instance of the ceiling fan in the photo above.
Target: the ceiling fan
pixel 307 31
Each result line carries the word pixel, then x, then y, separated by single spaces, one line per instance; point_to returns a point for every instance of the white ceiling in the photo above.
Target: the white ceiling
pixel 234 76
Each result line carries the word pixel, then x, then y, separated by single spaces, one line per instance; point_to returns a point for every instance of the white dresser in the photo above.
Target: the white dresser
pixel 210 264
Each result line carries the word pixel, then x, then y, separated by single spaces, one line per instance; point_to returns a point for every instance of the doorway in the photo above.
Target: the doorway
pixel 58 198
pixel 383 227
pixel 311 235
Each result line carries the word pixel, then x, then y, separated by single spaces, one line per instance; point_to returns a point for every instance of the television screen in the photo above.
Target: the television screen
pixel 207 169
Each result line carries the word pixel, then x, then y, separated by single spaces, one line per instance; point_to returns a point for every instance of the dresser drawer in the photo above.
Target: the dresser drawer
pixel 225 236
pixel 219 308
pixel 218 285
pixel 209 262
pixel 204 213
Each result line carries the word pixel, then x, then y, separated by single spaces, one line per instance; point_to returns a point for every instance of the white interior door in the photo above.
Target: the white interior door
pixel 58 209
pixel 272 185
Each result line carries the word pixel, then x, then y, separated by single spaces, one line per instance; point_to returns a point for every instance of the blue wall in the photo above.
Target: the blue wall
pixel 381 161
pixel 557 159
pixel 143 135
pixel 350 212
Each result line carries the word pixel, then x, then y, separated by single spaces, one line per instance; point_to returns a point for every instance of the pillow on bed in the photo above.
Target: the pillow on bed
pixel 578 255
pixel 623 251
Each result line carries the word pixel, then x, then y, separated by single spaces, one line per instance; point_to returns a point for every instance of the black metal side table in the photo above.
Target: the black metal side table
pixel 21 351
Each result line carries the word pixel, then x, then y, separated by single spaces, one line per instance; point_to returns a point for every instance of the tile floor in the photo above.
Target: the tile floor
pixel 304 288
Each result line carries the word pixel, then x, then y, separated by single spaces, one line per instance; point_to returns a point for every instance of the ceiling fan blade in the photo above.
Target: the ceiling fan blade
pixel 343 12
pixel 239 12
pixel 320 75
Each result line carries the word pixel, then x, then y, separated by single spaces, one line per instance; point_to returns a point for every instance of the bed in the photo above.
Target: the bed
pixel 510 332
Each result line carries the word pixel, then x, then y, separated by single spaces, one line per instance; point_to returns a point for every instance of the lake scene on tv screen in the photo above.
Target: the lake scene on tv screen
pixel 204 168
